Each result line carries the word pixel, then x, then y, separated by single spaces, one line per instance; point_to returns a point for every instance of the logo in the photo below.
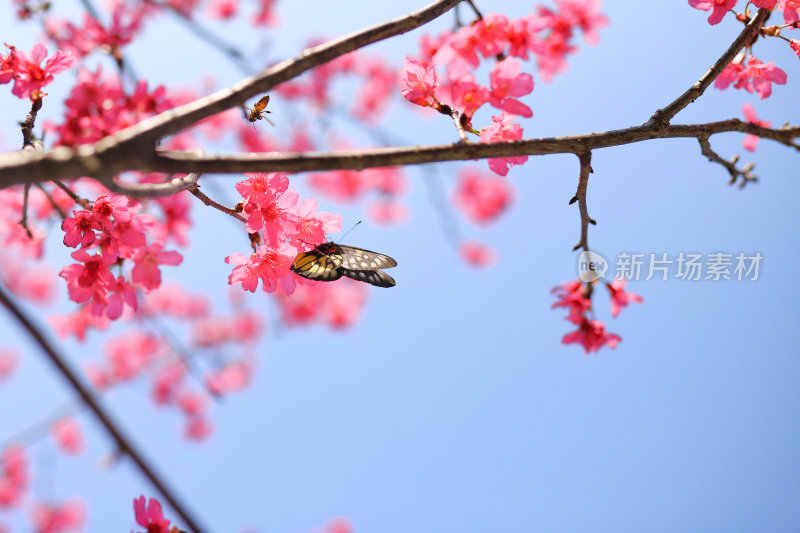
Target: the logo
pixel 591 266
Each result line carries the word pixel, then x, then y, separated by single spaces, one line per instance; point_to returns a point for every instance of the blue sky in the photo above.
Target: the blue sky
pixel 452 406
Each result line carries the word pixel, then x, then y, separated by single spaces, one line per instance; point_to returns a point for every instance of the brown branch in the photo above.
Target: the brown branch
pixel 585 159
pixel 112 428
pixel 662 117
pixel 30 120
pixel 63 163
pixel 170 122
pixel 152 190
pixel 746 172
pixel 211 203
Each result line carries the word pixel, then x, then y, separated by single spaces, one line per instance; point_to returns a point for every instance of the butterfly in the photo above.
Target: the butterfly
pixel 258 110
pixel 330 261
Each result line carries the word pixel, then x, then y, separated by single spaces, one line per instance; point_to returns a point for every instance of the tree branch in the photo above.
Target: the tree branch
pixel 62 163
pixel 123 443
pixel 585 160
pixel 746 173
pixel 152 190
pixel 662 117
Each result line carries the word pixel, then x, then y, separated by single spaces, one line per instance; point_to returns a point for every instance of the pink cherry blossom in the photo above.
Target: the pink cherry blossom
pixel 753 76
pixel 197 428
pixel 619 298
pixel 8 363
pixel 572 295
pixel 14 475
pixel 246 271
pixel 232 377
pixel 9 64
pixel 719 8
pixel 592 335
pixel 765 4
pixel 166 381
pixel 53 518
pixel 149 515
pixel 222 9
pixel 586 14
pixel 340 185
pixel 418 81
pixel 79 230
pixel 477 254
pixel 387 212
pixel 78 323
pixel 763 75
pixel 491 34
pixel 467 94
pixel 481 197
pixel 68 436
pixel 90 280
pixel 794 44
pixel 791 10
pixel 501 129
pixel 312 225
pixel 29 76
pixel 344 304
pixel 146 271
pixel 750 142
pixel 268 203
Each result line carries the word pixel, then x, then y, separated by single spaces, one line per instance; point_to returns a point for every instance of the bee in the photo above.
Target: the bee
pixel 258 111
pixel 330 261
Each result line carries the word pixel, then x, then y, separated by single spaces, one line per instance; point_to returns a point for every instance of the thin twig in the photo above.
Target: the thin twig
pixel 52 202
pixel 24 221
pixel 585 159
pixel 152 190
pixel 662 117
pixel 75 198
pixel 745 173
pixel 112 428
pixel 475 9
pixel 211 203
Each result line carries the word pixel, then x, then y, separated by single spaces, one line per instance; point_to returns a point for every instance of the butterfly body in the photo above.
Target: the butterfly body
pixel 330 261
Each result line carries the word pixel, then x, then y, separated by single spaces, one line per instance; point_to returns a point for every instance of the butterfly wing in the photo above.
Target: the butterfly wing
pixel 360 259
pixel 317 264
pixel 379 278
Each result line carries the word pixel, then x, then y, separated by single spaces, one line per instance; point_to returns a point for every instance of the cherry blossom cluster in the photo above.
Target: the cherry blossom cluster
pixel 576 298
pixel 746 71
pixel 27 72
pixel 546 34
pixel 288 226
pixel 378 81
pixel 44 517
pixel 482 198
pixel 174 379
pixel 116 230
pixel 387 184
pixel 99 106
pixel 126 22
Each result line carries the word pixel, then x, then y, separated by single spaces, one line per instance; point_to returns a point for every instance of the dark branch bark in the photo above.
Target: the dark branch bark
pixel 662 117
pixel 112 428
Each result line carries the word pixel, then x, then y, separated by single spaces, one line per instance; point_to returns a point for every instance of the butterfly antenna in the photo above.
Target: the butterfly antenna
pixel 348 231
